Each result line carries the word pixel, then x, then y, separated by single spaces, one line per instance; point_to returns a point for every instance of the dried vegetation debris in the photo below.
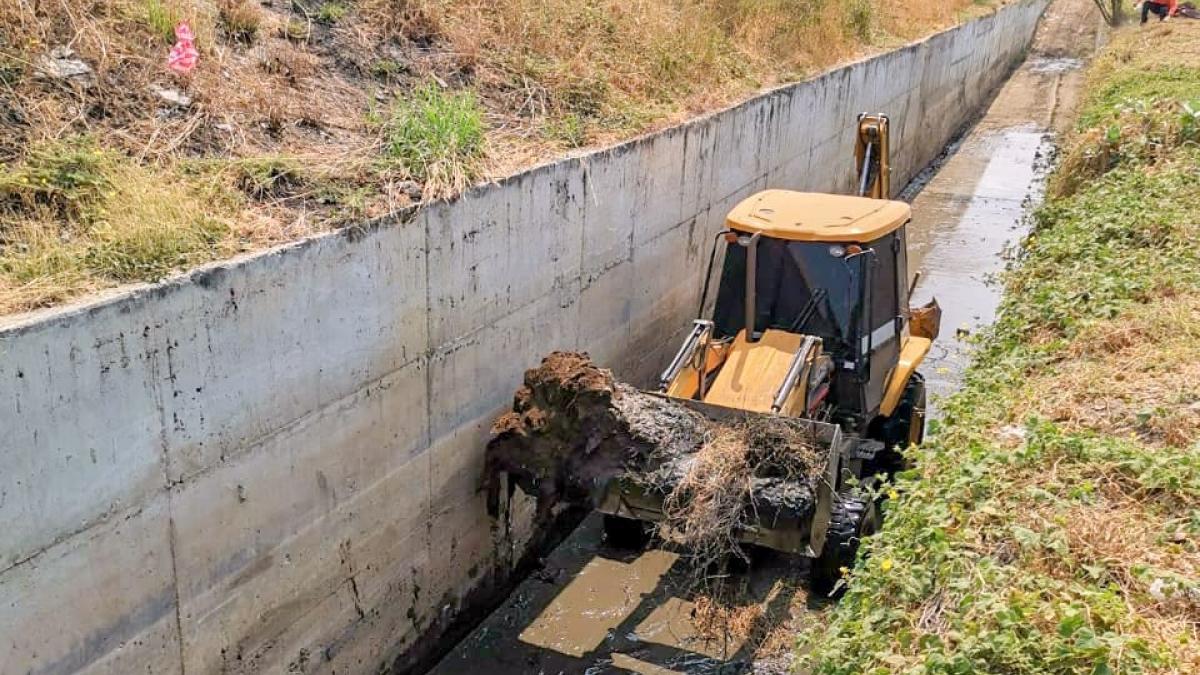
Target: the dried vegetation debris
pixel 573 428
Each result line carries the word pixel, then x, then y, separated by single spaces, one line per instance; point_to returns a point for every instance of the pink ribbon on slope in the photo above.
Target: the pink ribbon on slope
pixel 184 54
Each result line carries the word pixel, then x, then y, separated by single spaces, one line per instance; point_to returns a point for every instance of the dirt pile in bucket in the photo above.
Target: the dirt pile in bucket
pixel 573 428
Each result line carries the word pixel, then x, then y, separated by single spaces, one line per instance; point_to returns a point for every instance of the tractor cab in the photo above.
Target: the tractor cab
pixel 811 316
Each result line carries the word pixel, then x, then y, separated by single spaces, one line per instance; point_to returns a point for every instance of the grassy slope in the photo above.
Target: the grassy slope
pixel 1055 525
pixel 307 114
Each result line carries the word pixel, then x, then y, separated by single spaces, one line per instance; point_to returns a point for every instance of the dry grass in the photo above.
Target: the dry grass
pixel 1150 559
pixel 710 496
pixel 1137 375
pixel 240 19
pixel 322 83
pixel 576 72
pixel 767 625
pixel 1111 521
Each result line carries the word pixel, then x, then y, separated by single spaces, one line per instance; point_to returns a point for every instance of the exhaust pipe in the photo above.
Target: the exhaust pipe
pixel 751 291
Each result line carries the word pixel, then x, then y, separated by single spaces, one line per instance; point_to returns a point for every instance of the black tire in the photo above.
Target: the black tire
pixel 852 517
pixel 625 533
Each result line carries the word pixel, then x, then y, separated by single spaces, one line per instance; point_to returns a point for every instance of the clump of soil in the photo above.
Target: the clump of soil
pixel 573 428
pixel 572 425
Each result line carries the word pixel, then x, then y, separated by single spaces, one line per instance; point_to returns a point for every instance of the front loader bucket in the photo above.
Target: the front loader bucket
pixel 797 528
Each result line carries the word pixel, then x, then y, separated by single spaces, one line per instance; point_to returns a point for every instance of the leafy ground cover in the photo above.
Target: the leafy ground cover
pixel 1053 522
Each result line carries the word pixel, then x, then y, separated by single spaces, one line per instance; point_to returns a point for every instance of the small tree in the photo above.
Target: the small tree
pixel 1111 10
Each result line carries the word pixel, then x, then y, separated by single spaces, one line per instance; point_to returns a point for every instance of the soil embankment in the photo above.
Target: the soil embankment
pixel 306 116
pixel 1053 525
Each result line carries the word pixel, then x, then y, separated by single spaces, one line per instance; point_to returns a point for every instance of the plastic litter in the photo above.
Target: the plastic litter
pixel 184 55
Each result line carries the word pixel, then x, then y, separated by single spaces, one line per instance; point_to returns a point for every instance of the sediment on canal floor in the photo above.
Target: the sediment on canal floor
pixel 274 463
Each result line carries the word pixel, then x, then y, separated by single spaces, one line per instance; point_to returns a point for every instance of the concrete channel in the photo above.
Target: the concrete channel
pixel 592 609
pixel 272 464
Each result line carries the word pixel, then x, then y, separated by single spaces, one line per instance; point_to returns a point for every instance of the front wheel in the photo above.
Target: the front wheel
pixel 852 517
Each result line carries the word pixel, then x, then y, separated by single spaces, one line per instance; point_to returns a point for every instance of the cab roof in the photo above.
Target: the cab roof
pixel 811 216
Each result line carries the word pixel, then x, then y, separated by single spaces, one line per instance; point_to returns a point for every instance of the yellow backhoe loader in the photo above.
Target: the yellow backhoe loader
pixel 811 320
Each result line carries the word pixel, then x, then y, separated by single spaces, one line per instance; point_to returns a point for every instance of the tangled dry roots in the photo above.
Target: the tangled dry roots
pixel 573 427
pixel 717 495
pixel 705 509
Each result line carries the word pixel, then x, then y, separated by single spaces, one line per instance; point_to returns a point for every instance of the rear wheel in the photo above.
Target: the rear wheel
pixel 852 517
pixel 905 427
pixel 916 430
pixel 626 533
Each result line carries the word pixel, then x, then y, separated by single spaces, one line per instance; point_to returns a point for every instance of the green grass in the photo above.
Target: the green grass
pixel 436 137
pixel 138 248
pixel 1038 538
pixel 571 130
pixel 75 216
pixel 332 12
pixel 1171 82
pixel 64 179
pixel 162 17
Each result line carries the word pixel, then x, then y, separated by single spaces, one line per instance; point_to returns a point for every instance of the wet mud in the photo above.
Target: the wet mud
pixel 596 609
pixel 592 609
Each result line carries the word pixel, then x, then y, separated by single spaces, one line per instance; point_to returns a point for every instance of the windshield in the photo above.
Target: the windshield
pixel 800 288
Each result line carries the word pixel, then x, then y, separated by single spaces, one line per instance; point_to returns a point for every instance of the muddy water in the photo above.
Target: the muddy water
pixel 593 610
pixel 962 222
pixel 976 205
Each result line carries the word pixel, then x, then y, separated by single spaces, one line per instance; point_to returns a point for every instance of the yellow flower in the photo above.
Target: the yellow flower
pixel 886 565
pixel 844 570
pixel 892 494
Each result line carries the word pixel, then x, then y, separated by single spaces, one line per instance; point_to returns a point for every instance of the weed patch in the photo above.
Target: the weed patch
pixel 268 177
pixel 58 180
pixel 240 19
pixel 332 12
pixel 436 137
pixel 76 217
pixel 162 17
